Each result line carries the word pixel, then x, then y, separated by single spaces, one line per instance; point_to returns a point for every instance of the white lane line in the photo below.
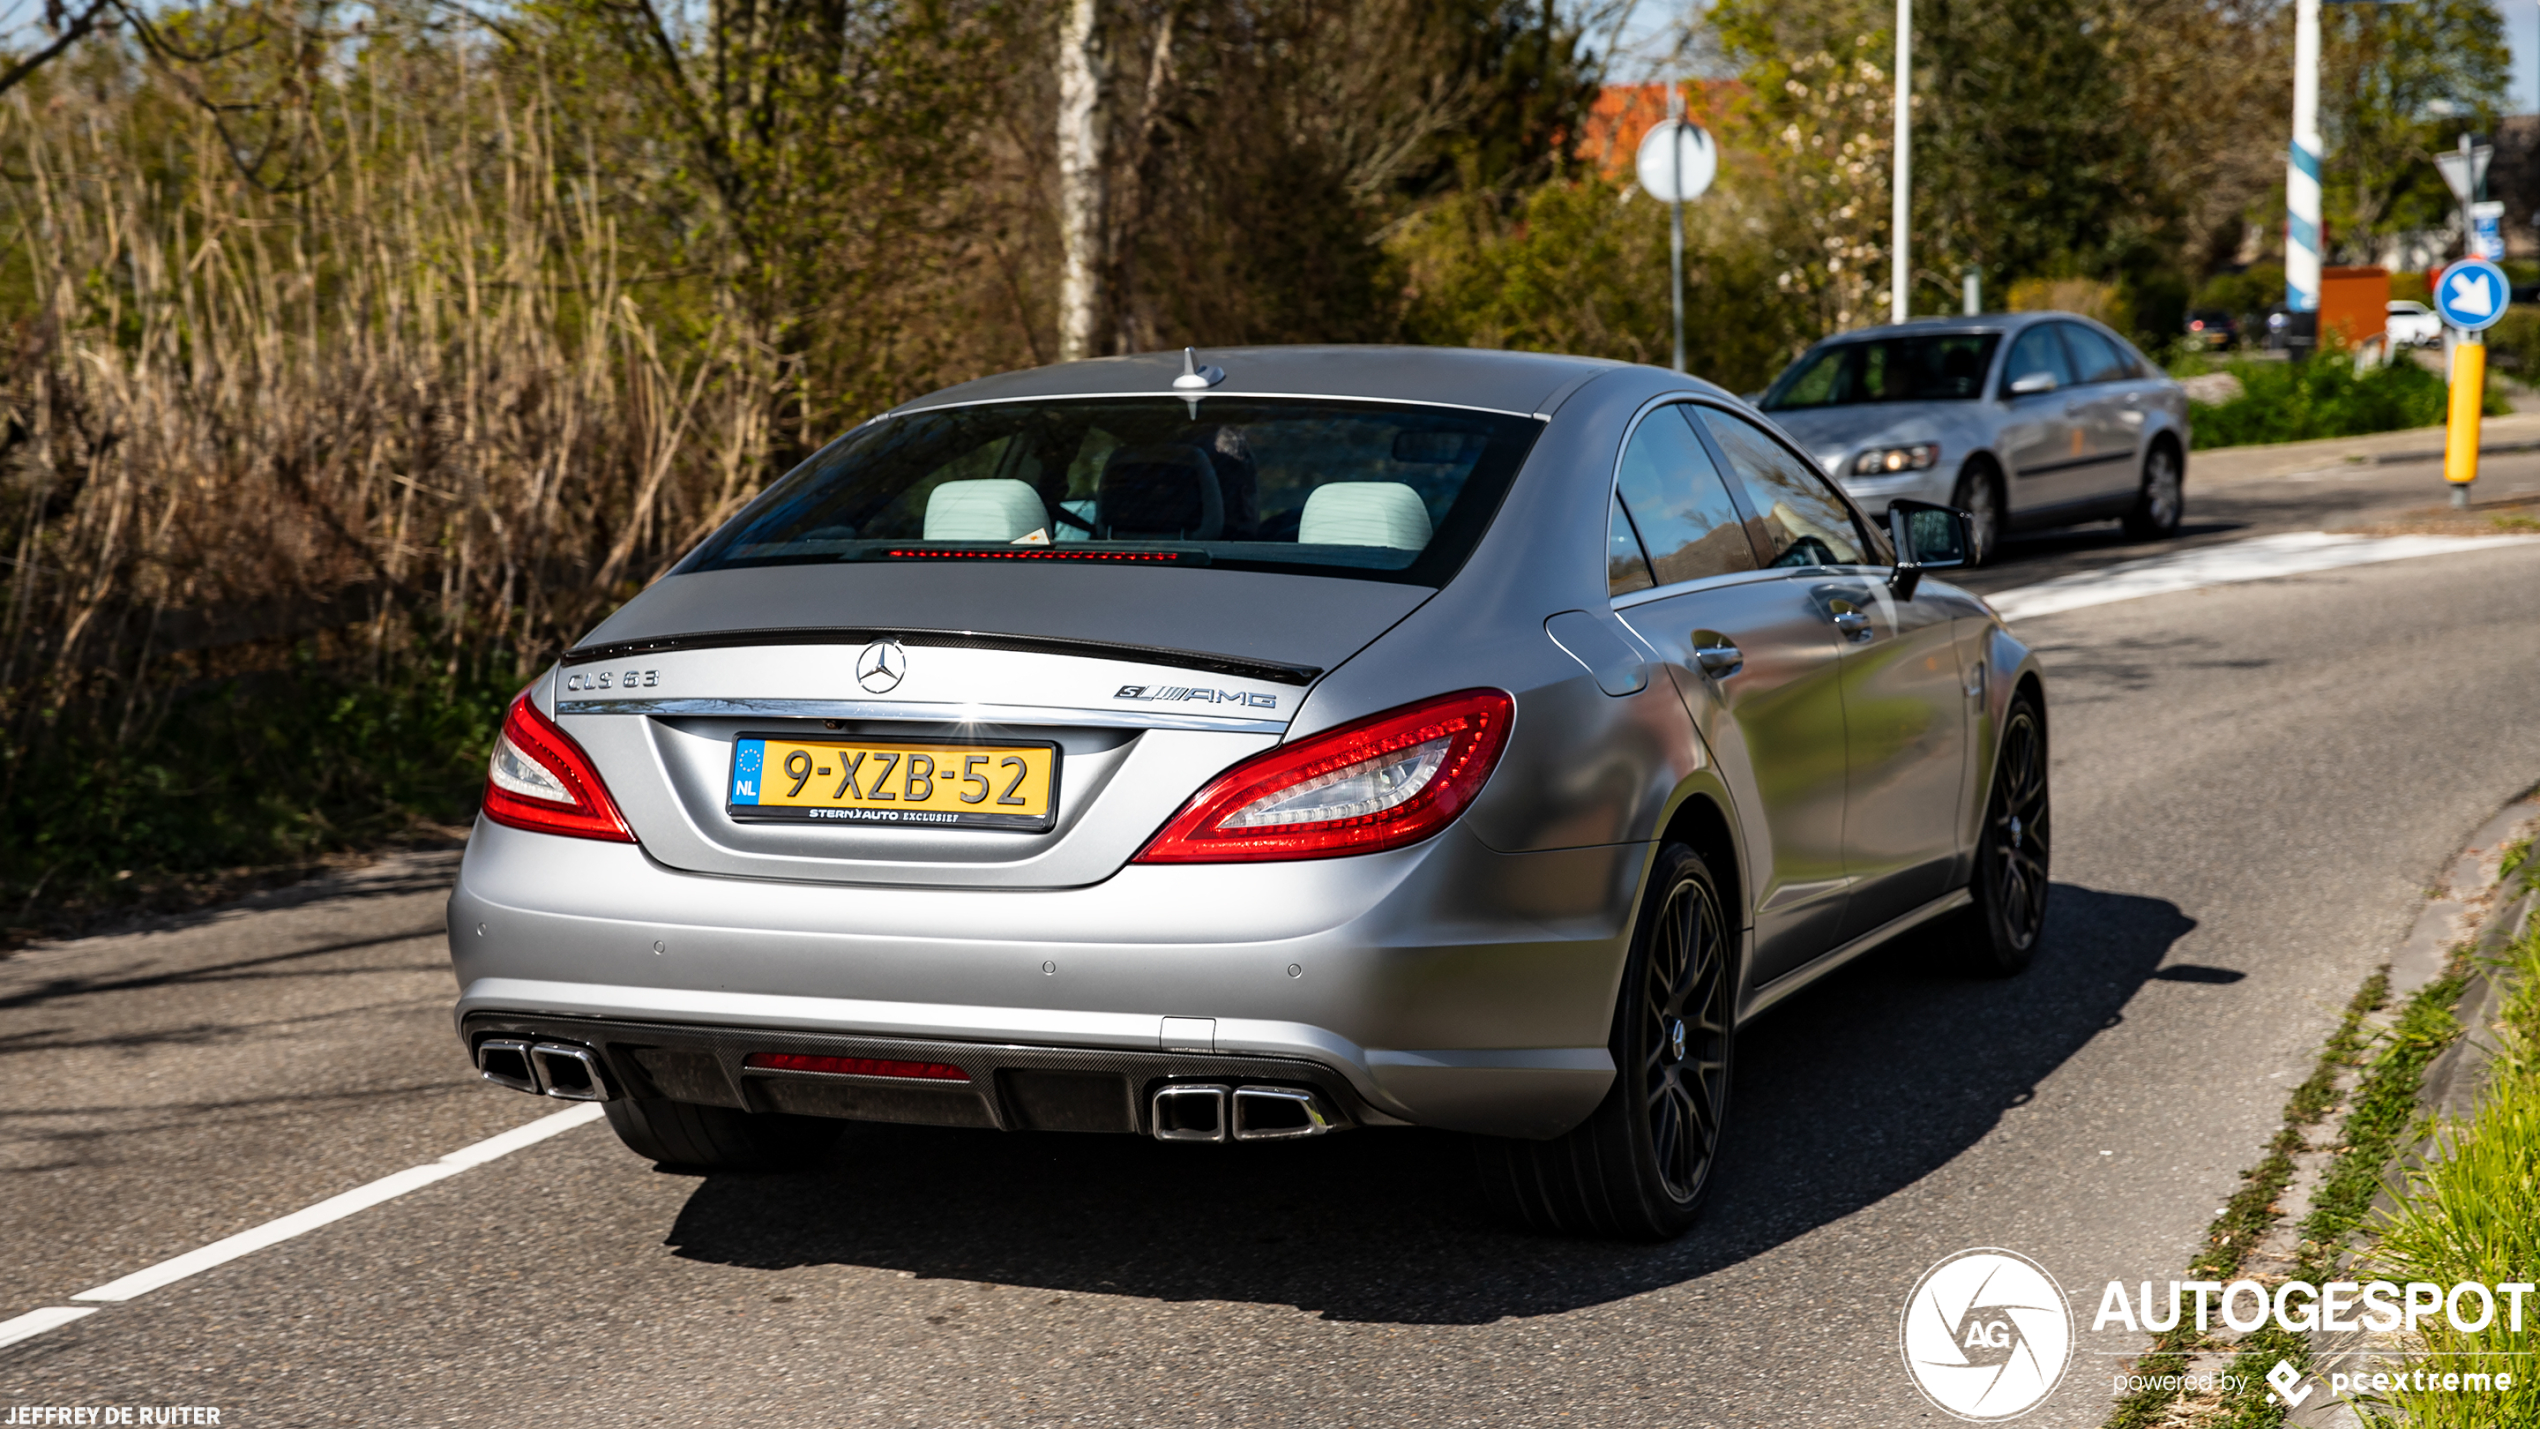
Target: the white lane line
pixel 36 1322
pixel 334 1208
pixel 2262 558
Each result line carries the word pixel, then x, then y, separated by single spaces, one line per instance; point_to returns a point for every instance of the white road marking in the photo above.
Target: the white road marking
pixel 299 1222
pixel 2262 558
pixel 36 1322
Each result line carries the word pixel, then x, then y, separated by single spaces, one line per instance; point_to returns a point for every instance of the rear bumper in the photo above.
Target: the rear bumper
pixel 1444 985
pixel 1003 1087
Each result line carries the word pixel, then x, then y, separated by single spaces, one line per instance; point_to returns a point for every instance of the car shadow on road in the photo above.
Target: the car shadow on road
pixel 1860 1087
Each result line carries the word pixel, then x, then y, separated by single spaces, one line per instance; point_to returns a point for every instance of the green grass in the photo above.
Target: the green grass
pixel 2377 1121
pixel 2473 1213
pixel 267 771
pixel 2325 397
pixel 2250 1212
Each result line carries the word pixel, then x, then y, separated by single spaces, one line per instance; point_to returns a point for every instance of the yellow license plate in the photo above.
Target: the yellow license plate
pixel 897 782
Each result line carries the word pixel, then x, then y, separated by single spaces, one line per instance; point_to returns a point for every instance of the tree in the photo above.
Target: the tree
pixel 1084 125
pixel 2397 82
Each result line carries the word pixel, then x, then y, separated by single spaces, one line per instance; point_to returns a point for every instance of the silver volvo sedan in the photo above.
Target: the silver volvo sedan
pixel 2022 420
pixel 1340 738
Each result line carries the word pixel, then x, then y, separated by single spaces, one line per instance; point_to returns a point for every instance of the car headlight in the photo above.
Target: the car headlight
pixel 1893 461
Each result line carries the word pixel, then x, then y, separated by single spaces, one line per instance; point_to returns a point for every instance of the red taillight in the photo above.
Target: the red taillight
pixel 856 1067
pixel 1377 783
pixel 540 780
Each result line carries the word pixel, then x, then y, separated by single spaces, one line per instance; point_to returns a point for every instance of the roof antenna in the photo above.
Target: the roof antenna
pixel 1196 378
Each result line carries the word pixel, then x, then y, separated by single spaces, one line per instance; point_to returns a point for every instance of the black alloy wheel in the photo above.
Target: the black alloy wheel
pixel 1684 1042
pixel 1639 1166
pixel 2012 856
pixel 2162 503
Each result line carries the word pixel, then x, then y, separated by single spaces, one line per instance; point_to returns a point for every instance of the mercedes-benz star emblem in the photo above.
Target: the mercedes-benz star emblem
pixel 880 667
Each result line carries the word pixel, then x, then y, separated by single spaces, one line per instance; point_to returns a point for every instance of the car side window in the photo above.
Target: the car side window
pixel 2037 351
pixel 1626 569
pixel 2095 359
pixel 1680 505
pixel 1801 521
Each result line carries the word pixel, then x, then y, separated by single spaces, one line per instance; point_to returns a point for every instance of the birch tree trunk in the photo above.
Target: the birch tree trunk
pixel 1083 178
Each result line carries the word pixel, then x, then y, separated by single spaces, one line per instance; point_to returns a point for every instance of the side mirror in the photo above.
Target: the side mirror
pixel 1927 538
pixel 2032 383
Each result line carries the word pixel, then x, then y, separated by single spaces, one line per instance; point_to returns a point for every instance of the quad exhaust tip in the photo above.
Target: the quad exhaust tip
pixel 1186 1111
pixel 550 1069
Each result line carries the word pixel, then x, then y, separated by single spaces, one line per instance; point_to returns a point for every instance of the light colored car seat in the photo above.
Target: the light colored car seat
pixel 1364 513
pixel 989 509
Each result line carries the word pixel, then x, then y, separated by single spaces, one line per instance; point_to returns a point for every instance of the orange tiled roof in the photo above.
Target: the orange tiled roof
pixel 1623 112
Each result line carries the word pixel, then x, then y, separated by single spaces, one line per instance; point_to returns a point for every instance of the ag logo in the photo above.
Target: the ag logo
pixel 880 665
pixel 1987 1335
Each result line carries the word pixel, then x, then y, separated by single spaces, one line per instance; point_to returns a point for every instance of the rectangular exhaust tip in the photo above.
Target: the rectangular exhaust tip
pixel 568 1073
pixel 1185 1112
pixel 504 1061
pixel 1277 1114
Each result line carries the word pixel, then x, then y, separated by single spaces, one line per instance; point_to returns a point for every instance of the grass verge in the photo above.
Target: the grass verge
pixel 2378 1117
pixel 237 784
pixel 2472 1212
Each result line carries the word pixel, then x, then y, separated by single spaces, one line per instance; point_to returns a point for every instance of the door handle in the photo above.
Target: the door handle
pixel 1852 622
pixel 1721 659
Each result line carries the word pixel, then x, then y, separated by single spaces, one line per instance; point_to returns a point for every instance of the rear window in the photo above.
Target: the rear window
pixel 1938 367
pixel 1370 490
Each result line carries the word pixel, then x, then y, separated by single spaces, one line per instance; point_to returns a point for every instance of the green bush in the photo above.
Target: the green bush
pixel 264 770
pixel 2324 397
pixel 2513 345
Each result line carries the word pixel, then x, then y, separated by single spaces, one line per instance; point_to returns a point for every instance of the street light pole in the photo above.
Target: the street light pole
pixel 1676 220
pixel 1901 213
pixel 2302 167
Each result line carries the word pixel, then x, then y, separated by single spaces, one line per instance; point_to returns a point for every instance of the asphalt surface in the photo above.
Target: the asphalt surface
pixel 2254 783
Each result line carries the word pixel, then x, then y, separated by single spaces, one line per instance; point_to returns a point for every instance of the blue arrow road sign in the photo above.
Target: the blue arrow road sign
pixel 2472 295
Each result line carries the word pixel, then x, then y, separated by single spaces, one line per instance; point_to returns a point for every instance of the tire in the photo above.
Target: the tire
pixel 2012 853
pixel 2162 502
pixel 1979 494
pixel 718 1138
pixel 1639 1166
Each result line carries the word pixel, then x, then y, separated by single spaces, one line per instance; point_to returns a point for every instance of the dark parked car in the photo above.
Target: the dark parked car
pixel 2212 328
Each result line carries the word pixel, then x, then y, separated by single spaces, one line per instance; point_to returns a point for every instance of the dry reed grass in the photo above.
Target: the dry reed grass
pixel 417 397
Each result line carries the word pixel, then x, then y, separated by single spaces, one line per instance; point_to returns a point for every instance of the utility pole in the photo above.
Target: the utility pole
pixel 2302 177
pixel 1676 222
pixel 1900 281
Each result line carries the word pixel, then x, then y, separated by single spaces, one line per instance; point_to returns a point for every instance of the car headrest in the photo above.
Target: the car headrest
pixel 989 509
pixel 1165 492
pixel 1364 513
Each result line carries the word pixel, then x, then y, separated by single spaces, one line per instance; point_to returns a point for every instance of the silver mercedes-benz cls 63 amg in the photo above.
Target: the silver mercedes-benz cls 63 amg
pixel 1251 746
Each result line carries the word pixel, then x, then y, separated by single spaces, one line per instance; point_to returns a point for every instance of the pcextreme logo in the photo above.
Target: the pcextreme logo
pixel 1986 1334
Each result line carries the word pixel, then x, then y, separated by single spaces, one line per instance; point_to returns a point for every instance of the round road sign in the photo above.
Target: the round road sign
pixel 2472 295
pixel 1676 161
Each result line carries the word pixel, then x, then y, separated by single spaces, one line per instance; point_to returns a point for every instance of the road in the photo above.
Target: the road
pixel 2254 784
